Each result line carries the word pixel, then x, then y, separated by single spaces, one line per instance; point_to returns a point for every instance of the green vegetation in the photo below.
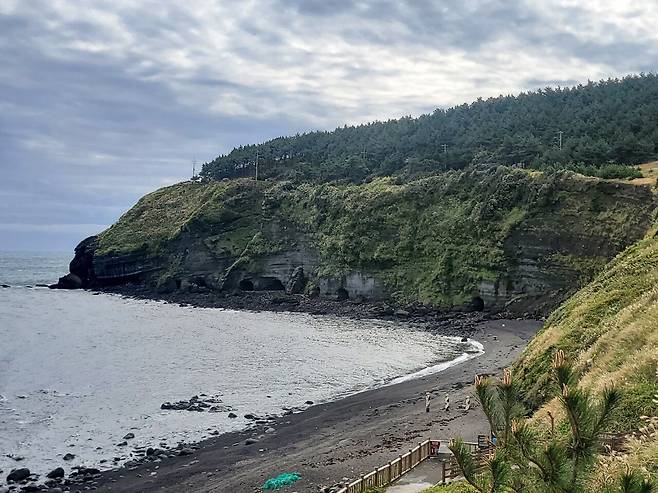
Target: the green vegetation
pixel 456 487
pixel 605 122
pixel 610 328
pixel 558 458
pixel 434 239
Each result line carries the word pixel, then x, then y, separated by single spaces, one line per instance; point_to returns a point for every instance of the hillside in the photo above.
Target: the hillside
pixel 609 328
pixel 611 121
pixel 493 236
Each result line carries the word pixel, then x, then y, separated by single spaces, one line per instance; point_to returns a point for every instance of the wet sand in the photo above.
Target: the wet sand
pixel 342 439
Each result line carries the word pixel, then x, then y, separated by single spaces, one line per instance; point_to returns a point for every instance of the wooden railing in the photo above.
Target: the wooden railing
pixel 385 475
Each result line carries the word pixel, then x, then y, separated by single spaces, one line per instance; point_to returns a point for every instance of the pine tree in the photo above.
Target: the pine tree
pixel 528 459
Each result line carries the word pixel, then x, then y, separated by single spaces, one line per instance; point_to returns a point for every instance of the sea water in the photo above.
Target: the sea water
pixel 80 370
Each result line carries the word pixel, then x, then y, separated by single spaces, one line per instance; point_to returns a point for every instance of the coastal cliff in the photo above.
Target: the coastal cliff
pixel 494 238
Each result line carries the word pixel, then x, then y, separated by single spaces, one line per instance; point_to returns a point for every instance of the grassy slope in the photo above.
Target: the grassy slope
pixel 612 321
pixel 432 239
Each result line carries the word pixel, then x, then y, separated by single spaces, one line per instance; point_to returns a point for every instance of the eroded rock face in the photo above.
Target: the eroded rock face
pixel 69 281
pixel 525 248
pixel 297 281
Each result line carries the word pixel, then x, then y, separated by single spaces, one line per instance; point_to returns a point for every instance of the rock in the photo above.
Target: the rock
pixel 185 451
pixel 18 474
pixel 69 457
pixel 129 436
pixel 122 444
pixel 270 430
pixel 86 471
pixel 464 339
pixel 310 403
pixel 69 281
pixel 401 313
pixel 56 473
pixel 31 487
pixel 6 286
pixel 297 281
pixel 232 415
pixel 251 416
pixel 169 285
pixel 250 441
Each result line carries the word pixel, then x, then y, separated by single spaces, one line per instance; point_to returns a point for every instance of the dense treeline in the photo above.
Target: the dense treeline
pixel 612 121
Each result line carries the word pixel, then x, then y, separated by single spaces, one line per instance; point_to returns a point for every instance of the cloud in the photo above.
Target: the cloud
pixel 104 100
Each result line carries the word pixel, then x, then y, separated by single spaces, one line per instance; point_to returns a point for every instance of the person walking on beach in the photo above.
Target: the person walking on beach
pixel 427 402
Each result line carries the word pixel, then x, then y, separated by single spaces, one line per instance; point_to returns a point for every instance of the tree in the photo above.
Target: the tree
pixel 527 458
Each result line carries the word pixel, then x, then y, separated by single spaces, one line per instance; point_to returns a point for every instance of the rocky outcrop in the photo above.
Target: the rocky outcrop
pixel 69 281
pixel 487 238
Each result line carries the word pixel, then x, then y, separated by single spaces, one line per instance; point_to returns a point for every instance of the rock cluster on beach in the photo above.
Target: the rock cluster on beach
pixel 197 403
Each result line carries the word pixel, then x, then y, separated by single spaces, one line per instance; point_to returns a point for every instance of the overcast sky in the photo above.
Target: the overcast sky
pixel 103 101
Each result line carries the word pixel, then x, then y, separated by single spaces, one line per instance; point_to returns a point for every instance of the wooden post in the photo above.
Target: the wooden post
pixel 390 472
pixel 443 471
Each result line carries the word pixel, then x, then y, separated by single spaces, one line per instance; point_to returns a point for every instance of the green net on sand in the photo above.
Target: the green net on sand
pixel 281 480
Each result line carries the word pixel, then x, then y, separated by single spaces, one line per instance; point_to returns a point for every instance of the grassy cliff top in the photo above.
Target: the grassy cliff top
pixel 433 239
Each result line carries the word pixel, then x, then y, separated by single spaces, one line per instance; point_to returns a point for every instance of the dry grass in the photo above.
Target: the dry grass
pixel 649 174
pixel 610 329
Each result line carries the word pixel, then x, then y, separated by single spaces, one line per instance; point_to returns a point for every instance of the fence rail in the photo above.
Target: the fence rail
pixel 385 475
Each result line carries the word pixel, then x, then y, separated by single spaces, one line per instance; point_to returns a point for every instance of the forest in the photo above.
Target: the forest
pixel 598 128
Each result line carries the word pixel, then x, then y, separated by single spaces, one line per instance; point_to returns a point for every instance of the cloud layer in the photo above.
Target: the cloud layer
pixel 103 101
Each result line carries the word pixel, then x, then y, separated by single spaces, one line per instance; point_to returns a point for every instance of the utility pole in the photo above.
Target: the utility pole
pixel 559 133
pixel 193 167
pixel 445 148
pixel 257 165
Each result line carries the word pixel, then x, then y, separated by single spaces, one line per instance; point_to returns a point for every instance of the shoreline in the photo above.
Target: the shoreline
pixel 330 441
pixel 345 417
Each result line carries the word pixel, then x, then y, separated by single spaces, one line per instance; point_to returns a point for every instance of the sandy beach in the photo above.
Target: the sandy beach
pixel 332 441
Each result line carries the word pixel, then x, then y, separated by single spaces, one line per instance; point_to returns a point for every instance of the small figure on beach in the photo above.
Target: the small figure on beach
pixel 447 406
pixel 467 404
pixel 427 402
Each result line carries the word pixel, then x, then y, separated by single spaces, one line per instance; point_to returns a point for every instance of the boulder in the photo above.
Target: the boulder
pixel 56 473
pixel 18 474
pixel 232 415
pixel 69 281
pixel 297 281
pixel 69 457
pixel 129 436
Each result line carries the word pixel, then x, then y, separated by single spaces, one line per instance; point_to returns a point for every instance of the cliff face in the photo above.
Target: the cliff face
pixel 492 237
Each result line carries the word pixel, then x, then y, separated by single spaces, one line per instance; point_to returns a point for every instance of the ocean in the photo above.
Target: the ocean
pixel 80 370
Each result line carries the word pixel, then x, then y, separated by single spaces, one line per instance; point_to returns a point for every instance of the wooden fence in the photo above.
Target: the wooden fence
pixel 385 475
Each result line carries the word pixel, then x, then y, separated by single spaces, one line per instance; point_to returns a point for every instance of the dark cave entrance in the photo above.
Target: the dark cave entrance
pixel 269 284
pixel 477 304
pixel 342 294
pixel 246 285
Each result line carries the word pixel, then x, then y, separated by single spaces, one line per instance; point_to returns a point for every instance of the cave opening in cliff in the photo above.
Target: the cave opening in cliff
pixel 477 304
pixel 246 285
pixel 342 294
pixel 269 284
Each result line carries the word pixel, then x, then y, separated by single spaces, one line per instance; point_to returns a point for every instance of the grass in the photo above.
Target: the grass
pixel 610 329
pixel 434 239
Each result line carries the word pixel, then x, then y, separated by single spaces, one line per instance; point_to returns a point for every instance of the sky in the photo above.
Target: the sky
pixel 104 101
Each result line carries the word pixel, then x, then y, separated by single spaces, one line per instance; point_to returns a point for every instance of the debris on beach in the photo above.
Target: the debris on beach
pixel 285 479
